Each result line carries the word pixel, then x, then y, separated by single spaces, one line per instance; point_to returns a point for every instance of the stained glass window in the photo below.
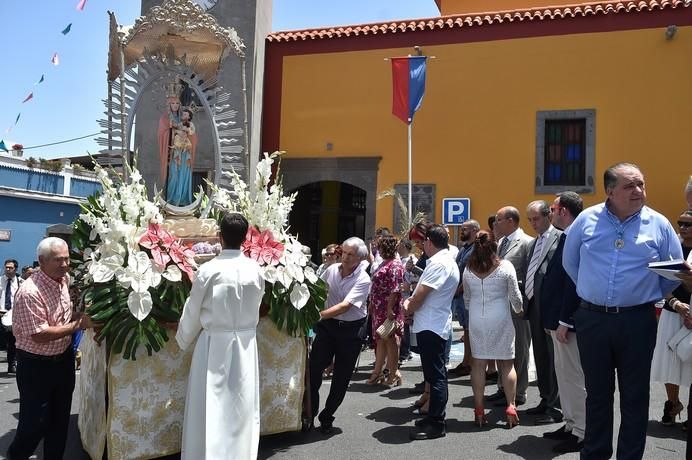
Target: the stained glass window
pixel 565 152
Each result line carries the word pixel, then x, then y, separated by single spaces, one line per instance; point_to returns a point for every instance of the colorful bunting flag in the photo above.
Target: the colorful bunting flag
pixel 28 98
pixel 55 60
pixel 2 146
pixel 81 5
pixel 40 81
pixel 67 29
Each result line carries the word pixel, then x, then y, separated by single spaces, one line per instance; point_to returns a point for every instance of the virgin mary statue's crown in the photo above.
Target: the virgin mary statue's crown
pixel 174 88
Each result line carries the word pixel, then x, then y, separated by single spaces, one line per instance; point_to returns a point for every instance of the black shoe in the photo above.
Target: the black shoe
pixel 547 419
pixel 499 395
pixel 491 377
pixel 427 432
pixel 12 368
pixel 461 370
pixel 326 428
pixel 559 435
pixel 572 444
pixel 422 422
pixel 538 410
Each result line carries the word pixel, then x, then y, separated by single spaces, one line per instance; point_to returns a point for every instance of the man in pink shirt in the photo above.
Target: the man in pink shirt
pixel 43 324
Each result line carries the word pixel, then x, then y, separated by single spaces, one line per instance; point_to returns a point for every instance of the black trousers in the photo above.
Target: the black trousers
pixel 11 349
pixel 432 356
pixel 610 342
pixel 543 356
pixel 45 400
pixel 338 341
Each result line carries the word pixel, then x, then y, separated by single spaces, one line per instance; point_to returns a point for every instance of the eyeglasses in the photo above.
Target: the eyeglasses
pixel 684 224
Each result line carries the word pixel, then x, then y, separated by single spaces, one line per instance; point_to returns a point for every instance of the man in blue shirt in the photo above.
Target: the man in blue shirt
pixel 606 253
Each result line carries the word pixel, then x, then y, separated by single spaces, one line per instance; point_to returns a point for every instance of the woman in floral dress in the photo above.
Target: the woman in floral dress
pixel 385 302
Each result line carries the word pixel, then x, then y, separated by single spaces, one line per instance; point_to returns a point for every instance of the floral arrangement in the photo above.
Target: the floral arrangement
pixel 17 147
pixel 294 293
pixel 133 274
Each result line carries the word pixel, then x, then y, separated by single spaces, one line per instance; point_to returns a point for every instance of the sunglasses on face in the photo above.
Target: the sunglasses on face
pixel 683 224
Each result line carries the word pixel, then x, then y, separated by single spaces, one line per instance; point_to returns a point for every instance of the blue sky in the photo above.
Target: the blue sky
pixel 68 103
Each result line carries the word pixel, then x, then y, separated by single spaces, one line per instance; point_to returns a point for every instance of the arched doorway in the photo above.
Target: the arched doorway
pixel 327 212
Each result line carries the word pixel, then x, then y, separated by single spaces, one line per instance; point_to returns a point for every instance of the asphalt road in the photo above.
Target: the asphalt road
pixel 373 423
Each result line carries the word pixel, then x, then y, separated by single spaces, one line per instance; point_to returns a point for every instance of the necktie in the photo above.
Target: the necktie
pixel 533 266
pixel 503 247
pixel 8 295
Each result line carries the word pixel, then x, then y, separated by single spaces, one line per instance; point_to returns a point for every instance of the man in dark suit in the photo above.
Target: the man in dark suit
pixel 514 246
pixel 559 301
pixel 541 253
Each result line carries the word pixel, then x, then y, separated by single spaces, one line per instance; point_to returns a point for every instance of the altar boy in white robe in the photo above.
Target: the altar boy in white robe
pixel 222 413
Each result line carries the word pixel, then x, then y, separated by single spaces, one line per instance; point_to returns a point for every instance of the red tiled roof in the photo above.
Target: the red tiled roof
pixel 471 20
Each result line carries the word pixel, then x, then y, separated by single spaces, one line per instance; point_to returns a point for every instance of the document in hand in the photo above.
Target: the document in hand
pixel 669 268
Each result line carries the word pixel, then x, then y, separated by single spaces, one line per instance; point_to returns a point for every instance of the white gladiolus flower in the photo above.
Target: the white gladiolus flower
pixel 140 304
pixel 299 295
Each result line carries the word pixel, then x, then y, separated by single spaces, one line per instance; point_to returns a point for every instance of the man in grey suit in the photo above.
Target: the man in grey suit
pixel 542 250
pixel 514 246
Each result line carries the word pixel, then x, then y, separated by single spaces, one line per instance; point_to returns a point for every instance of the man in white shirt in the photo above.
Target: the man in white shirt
pixel 336 334
pixel 9 285
pixel 430 306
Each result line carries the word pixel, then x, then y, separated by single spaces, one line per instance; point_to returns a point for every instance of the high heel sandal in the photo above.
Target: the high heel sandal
pixel 420 402
pixel 671 410
pixel 394 379
pixel 479 417
pixel 375 378
pixel 512 417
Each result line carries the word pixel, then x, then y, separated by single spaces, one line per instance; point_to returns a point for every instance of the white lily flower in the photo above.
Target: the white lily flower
pixel 102 271
pixel 299 295
pixel 283 277
pixel 140 304
pixel 310 275
pixel 295 272
pixel 269 273
pixel 139 273
pixel 172 273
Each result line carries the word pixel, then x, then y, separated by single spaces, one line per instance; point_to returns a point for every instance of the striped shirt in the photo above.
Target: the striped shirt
pixel 41 302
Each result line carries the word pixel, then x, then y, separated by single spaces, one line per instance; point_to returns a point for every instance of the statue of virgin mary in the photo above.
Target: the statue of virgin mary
pixel 177 144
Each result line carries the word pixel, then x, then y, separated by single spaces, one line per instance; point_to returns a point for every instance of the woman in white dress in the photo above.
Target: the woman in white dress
pixel 490 290
pixel 666 368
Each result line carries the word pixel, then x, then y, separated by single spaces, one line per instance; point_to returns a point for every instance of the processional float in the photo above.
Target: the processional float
pixel 189 143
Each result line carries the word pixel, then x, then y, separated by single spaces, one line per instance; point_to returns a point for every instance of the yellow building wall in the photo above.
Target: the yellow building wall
pixel 449 7
pixel 475 133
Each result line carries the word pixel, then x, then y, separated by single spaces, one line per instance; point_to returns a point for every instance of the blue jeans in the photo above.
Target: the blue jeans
pixel 432 356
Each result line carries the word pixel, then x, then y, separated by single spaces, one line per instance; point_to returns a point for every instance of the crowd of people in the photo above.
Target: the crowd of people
pixel 580 292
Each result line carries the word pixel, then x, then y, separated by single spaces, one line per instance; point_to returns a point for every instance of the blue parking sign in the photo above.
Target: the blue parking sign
pixel 455 210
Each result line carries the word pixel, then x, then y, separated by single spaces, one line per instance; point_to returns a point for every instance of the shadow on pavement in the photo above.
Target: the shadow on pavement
pixel 394 415
pixel 529 447
pixel 282 442
pixel 657 430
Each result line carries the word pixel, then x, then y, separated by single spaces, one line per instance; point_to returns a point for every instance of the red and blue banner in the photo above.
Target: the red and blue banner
pixel 408 86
